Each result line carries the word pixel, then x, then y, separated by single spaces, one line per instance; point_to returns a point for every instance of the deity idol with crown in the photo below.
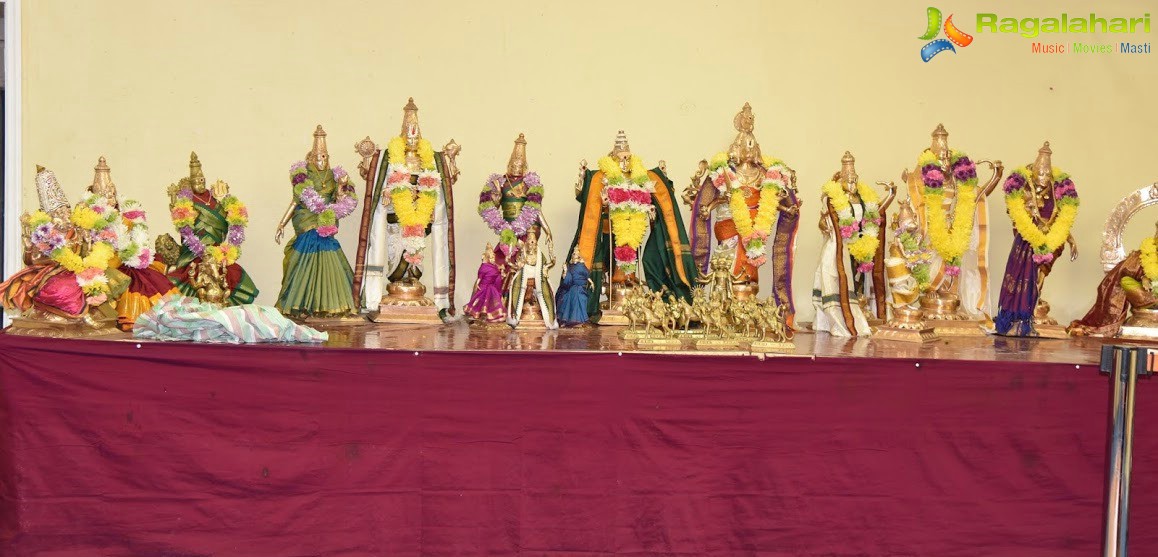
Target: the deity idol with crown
pixel 850 278
pixel 1042 203
pixel 907 267
pixel 951 207
pixel 211 224
pixel 1127 300
pixel 511 205
pixel 408 200
pixel 70 281
pixel 135 258
pixel 317 280
pixel 618 203
pixel 530 300
pixel 744 203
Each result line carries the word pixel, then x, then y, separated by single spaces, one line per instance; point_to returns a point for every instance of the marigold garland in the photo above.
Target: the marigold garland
pixel 1066 203
pixel 862 234
pixel 949 242
pixel 629 206
pixel 1149 251
pixel 413 203
pixel 98 224
pixel 753 232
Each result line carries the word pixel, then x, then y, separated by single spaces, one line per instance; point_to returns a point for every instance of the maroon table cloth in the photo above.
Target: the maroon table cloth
pixel 108 448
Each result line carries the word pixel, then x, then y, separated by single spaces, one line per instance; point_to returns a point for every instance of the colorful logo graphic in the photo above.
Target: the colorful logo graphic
pixel 937 46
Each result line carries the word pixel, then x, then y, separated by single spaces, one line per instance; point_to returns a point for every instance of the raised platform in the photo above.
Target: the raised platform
pixel 453 443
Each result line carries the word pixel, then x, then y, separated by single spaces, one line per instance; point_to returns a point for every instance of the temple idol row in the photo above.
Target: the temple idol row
pixel 920 273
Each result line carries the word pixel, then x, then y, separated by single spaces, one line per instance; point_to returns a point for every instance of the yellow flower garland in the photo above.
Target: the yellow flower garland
pixel 864 247
pixel 752 231
pixel 950 244
pixel 1150 260
pixel 412 210
pixel 1052 239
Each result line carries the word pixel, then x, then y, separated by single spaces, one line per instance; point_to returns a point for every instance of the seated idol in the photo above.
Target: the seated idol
pixel 1127 300
pixel 70 281
pixel 317 280
pixel 744 203
pixel 851 259
pixel 574 291
pixel 619 204
pixel 211 224
pixel 408 201
pixel 1043 204
pixel 148 282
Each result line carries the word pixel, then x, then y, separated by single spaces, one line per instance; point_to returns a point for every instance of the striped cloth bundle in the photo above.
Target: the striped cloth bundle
pixel 182 318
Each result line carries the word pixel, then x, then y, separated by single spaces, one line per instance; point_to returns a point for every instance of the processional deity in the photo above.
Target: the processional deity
pixel 408 201
pixel 530 300
pixel 1043 204
pixel 317 280
pixel 622 203
pixel 148 282
pixel 849 286
pixel 1127 300
pixel 211 223
pixel 954 223
pixel 908 268
pixel 745 203
pixel 70 281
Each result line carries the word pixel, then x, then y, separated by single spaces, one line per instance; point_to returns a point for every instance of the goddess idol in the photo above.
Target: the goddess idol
pixel 211 223
pixel 70 281
pixel 743 203
pixel 619 203
pixel 953 217
pixel 1042 202
pixel 408 199
pixel 511 205
pixel 851 266
pixel 317 280
pixel 135 258
pixel 1127 300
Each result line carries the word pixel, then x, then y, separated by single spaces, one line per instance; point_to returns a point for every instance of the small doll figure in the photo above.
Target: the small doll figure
pixel 574 291
pixel 486 301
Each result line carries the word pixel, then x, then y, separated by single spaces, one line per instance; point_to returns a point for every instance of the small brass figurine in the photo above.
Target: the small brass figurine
pixel 907 266
pixel 530 301
pixel 208 278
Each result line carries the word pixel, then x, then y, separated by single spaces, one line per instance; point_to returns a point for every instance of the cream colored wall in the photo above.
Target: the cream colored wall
pixel 243 83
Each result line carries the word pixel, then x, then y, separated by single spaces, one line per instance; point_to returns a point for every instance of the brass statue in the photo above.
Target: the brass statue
pixel 907 267
pixel 950 203
pixel 745 204
pixel 408 213
pixel 208 278
pixel 852 220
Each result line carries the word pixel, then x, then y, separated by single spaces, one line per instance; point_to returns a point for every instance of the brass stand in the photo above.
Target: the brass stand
pixel 942 312
pixel 1045 325
pixel 1142 325
pixel 745 290
pixel 659 343
pixel 334 321
pixel 716 343
pixel 59 327
pixel 532 318
pixel 613 314
pixel 769 347
pixel 406 302
pixel 906 326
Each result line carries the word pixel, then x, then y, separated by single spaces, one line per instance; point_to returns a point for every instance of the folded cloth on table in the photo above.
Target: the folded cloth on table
pixel 177 317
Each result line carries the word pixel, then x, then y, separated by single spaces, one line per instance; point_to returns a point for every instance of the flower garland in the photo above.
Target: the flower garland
pixel 863 233
pixel 132 243
pixel 510 232
pixel 413 203
pixel 1150 261
pixel 753 232
pixel 917 259
pixel 949 243
pixel 1065 196
pixel 184 215
pixel 629 204
pixel 305 190
pixel 94 218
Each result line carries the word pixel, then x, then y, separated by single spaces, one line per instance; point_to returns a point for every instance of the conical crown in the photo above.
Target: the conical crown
pixel 319 149
pixel 745 121
pixel 52 198
pixel 1043 162
pixel 940 144
pixel 410 120
pixel 848 168
pixel 621 145
pixel 517 165
pixel 195 166
pixel 102 182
